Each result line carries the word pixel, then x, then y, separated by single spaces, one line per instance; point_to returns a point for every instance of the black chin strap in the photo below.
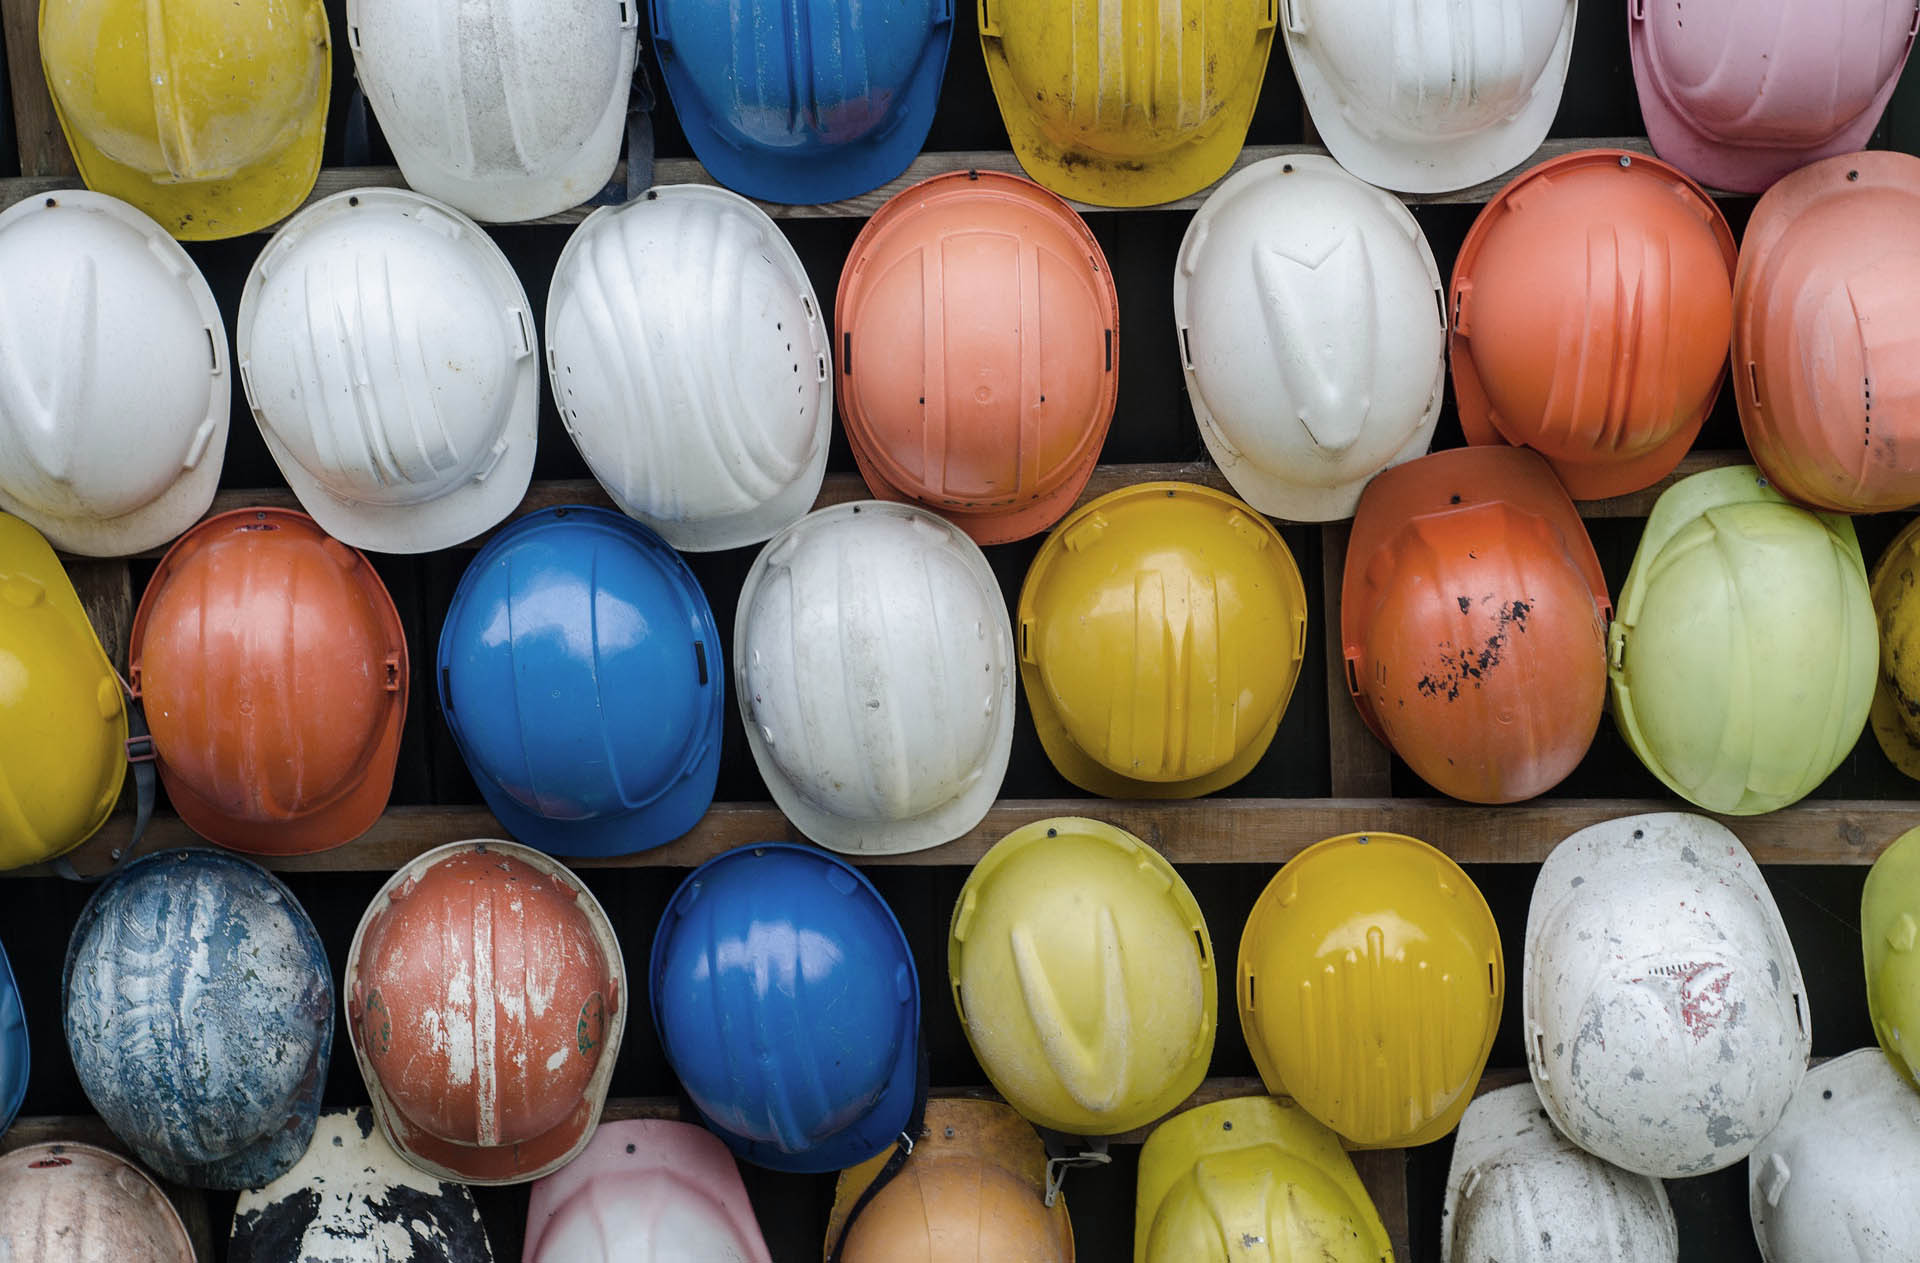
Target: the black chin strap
pixel 638 177
pixel 895 1163
pixel 145 787
pixel 1066 1151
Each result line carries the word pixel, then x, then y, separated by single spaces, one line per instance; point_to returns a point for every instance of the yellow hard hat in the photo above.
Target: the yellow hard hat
pixel 1896 607
pixel 63 724
pixel 1890 941
pixel 1161 629
pixel 1120 103
pixel 205 114
pixel 1260 1174
pixel 1084 977
pixel 1370 987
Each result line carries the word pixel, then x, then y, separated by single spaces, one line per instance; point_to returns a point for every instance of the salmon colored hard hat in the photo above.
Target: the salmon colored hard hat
pixel 979 352
pixel 1592 303
pixel 273 672
pixel 1826 333
pixel 1474 619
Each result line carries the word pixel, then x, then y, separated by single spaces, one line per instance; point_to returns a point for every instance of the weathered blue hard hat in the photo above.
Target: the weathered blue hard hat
pixel 16 1055
pixel 787 1003
pixel 808 102
pixel 580 673
pixel 199 1014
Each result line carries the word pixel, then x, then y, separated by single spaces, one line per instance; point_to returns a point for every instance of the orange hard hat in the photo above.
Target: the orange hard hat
pixel 979 352
pixel 1592 304
pixel 1826 333
pixel 273 672
pixel 1474 619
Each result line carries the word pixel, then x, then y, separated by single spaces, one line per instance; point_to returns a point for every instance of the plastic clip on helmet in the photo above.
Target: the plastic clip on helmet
pixel 509 111
pixel 1592 303
pixel 1890 942
pixel 199 1014
pixel 501 941
pixel 1161 632
pixel 858 632
pixel 580 673
pixel 1312 330
pixel 1825 321
pixel 114 401
pixel 1743 653
pixel 1474 618
pixel 1737 93
pixel 73 1203
pixel 803 103
pixel 1666 1019
pixel 690 364
pixel 1520 1192
pixel 1083 973
pixel 1441 97
pixel 979 359
pixel 387 350
pixel 352 1200
pixel 1252 1180
pixel 1370 987
pixel 273 672
pixel 788 1005
pixel 205 114
pixel 1113 104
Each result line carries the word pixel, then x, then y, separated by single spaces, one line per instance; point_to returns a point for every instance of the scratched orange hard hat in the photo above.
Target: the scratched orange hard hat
pixel 979 352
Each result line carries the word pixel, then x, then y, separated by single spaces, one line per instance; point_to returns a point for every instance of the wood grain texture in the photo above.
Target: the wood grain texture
pixel 42 145
pixel 1361 767
pixel 90 1129
pixel 106 593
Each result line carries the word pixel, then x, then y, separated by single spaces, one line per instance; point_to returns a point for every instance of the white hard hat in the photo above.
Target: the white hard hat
pixel 1313 332
pixel 388 352
pixel 691 366
pixel 873 660
pixel 1666 1019
pixel 114 394
pixel 508 110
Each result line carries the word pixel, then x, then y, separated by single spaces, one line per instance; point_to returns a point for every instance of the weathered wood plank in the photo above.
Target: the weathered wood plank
pixel 1360 765
pixel 43 148
pixel 106 593
pixel 90 1129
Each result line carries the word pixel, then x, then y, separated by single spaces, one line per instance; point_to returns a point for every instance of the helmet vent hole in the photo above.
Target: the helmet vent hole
pixel 631 1148
pixel 353 201
pixel 1109 351
pixel 1286 168
pixel 700 660
pixel 846 354
pixel 806 305
pixel 1200 945
pixel 1827 1094
pixel 1186 351
pixel 1226 1125
pixel 213 351
pixel 1853 175
pixel 1053 833
pixel 1251 980
pixel 1440 305
pixel 1638 834
pixel 52 202
pixel 1493 980
pixel 446 686
pixel 1799 1014
pixel 1539 1048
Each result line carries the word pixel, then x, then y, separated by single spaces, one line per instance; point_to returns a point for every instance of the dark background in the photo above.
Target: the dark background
pixel 1152 423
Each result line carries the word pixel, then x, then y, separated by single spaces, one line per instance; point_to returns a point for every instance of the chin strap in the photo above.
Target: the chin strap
pixel 895 1163
pixel 355 142
pixel 145 788
pixel 638 177
pixel 1065 1152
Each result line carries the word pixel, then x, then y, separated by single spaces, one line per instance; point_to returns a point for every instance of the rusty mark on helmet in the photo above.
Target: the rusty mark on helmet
pixel 378 1023
pixel 1461 667
pixel 592 1028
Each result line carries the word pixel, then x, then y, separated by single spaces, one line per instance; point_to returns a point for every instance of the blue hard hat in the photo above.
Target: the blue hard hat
pixel 16 1054
pixel 580 673
pixel 199 1013
pixel 788 1004
pixel 803 103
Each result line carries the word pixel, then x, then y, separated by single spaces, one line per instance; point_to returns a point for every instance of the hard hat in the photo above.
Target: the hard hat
pixel 981 391
pixel 205 114
pixel 1407 959
pixel 1312 329
pixel 1252 1180
pixel 803 104
pixel 858 632
pixel 1666 1020
pixel 352 1200
pixel 1116 105
pixel 273 672
pixel 1083 973
pixel 787 1003
pixel 560 624
pixel 1592 303
pixel 973 1190
pixel 16 1051
pixel 1737 93
pixel 1443 98
pixel 1162 628
pixel 1474 620
pixel 508 111
pixel 1520 1192
pixel 114 398
pixel 63 720
pixel 387 351
pixel 72 1203
pixel 1889 935
pixel 690 364
pixel 1833 1183
pixel 1896 606
pixel 485 998
pixel 1825 318
pixel 199 1014
pixel 1743 653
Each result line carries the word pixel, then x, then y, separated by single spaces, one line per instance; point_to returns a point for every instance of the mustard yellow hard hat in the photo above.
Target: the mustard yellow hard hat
pixel 1084 977
pixel 1895 713
pixel 1890 941
pixel 1160 630
pixel 205 114
pixel 63 724
pixel 1370 987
